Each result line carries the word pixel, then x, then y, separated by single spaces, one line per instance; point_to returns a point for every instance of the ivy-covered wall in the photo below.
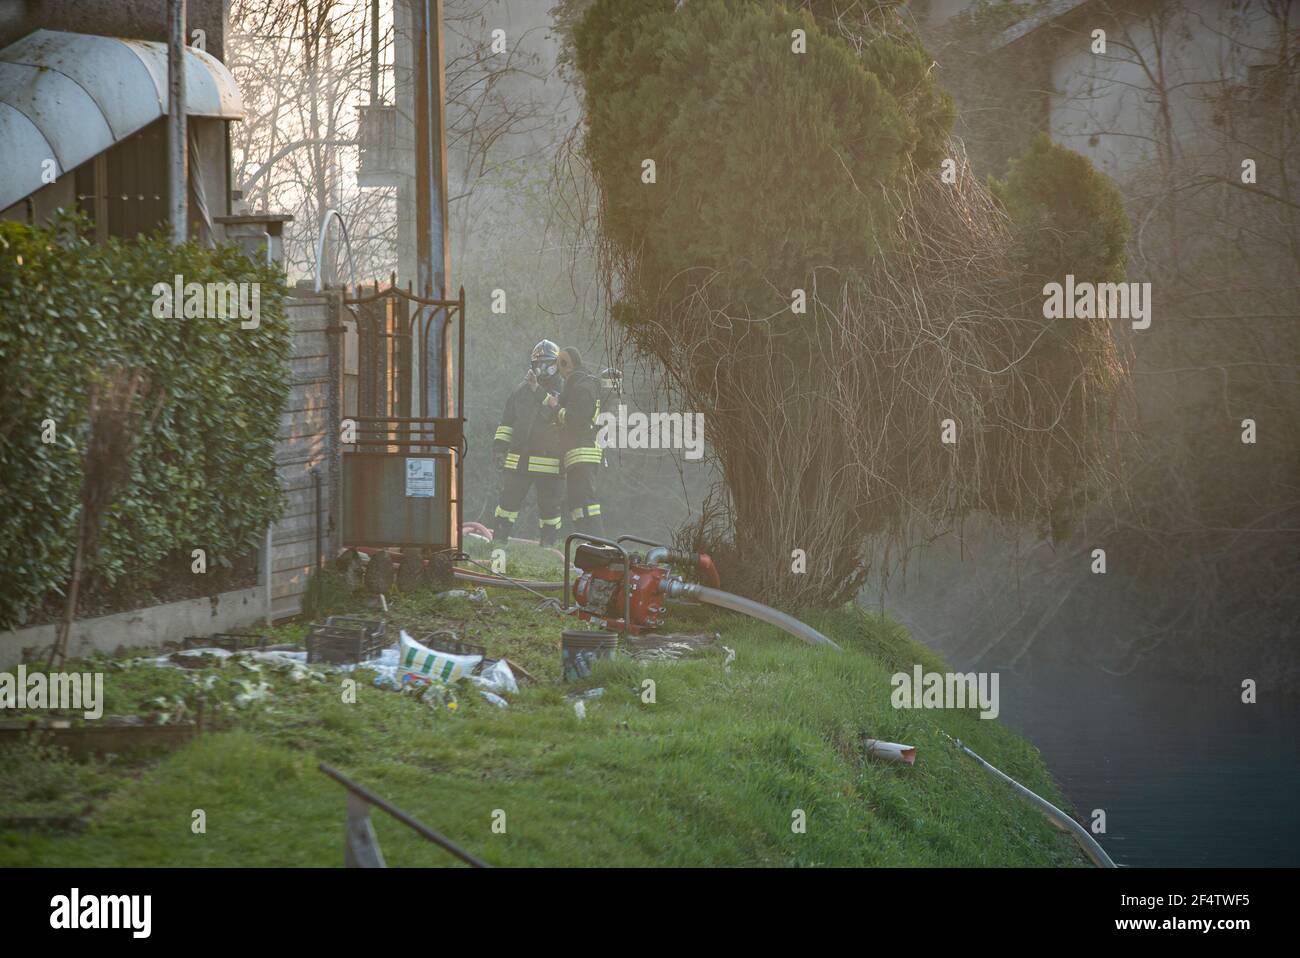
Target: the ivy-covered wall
pixel 202 474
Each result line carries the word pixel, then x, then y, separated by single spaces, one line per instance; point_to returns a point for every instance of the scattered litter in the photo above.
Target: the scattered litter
pixel 436 695
pixel 478 595
pixel 496 676
pixel 433 694
pixel 589 694
pixel 425 665
pixel 668 651
pixel 515 667
pixel 292 665
pixel 666 648
pixel 891 751
pixel 731 657
pixel 492 697
pixel 580 709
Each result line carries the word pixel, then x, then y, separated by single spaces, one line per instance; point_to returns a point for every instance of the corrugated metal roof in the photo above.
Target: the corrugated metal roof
pixel 71 96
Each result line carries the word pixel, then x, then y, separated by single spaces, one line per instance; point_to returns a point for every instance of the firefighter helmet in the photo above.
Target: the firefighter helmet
pixel 543 358
pixel 545 350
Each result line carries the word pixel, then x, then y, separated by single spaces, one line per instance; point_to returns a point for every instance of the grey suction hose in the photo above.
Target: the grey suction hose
pixel 685 590
pixel 1061 820
pixel 755 610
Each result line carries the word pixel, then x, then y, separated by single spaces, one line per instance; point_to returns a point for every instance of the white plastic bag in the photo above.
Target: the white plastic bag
pixel 496 677
pixel 422 665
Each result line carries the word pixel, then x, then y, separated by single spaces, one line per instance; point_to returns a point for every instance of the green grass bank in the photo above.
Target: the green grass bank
pixel 709 774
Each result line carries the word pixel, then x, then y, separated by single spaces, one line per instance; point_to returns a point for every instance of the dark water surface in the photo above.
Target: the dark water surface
pixel 1186 773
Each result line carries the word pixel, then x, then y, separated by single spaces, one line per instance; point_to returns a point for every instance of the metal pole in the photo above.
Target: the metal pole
pixel 315 481
pixel 423 830
pixel 374 52
pixel 177 146
pixel 268 565
pixel 433 256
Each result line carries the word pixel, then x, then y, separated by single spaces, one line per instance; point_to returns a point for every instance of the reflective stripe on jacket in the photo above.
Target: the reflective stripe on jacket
pixel 526 433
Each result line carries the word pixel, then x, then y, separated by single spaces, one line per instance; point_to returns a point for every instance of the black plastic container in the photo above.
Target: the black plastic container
pixel 345 640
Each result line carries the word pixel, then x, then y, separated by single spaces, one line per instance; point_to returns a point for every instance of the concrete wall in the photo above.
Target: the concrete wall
pixel 308 441
pixel 142 627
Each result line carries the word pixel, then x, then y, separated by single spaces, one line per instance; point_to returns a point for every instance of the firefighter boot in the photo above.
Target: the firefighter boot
pixel 502 526
pixel 550 533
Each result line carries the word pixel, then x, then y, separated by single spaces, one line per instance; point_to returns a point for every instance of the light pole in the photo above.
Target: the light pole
pixel 177 147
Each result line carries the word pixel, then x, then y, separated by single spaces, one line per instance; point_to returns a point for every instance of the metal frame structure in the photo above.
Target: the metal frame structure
pixel 386 370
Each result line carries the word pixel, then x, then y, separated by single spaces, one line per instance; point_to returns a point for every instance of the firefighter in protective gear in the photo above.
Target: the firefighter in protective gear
pixel 576 409
pixel 611 391
pixel 527 449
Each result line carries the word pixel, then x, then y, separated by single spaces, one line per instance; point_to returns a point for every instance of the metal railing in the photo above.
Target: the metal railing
pixel 361 846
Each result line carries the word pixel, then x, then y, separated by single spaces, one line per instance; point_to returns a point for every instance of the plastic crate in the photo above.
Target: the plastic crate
pixel 345 644
pixel 374 627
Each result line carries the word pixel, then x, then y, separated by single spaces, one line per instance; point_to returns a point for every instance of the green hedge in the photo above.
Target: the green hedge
pixel 203 475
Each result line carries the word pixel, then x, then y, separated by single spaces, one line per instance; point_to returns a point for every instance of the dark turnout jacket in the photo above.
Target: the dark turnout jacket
pixel 527 434
pixel 576 416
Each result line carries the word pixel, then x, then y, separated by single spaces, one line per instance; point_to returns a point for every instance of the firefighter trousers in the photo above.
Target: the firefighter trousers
pixel 514 490
pixel 580 498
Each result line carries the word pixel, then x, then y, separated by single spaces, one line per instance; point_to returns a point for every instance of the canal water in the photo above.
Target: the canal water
pixel 1186 773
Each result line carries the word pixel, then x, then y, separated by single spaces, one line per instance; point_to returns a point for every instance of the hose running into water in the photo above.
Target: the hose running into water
pixel 1062 821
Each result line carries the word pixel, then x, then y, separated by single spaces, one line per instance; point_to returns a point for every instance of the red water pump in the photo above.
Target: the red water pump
pixel 626 591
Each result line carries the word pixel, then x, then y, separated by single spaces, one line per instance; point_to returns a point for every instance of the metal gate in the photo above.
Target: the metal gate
pixel 403 474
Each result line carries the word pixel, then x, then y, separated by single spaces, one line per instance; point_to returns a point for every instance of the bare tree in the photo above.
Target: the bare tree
pixel 304 68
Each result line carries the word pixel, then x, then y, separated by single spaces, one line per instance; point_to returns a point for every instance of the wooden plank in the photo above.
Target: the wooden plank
pixel 82 740
pixel 290 566
pixel 297 528
pixel 311 339
pixel 286 607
